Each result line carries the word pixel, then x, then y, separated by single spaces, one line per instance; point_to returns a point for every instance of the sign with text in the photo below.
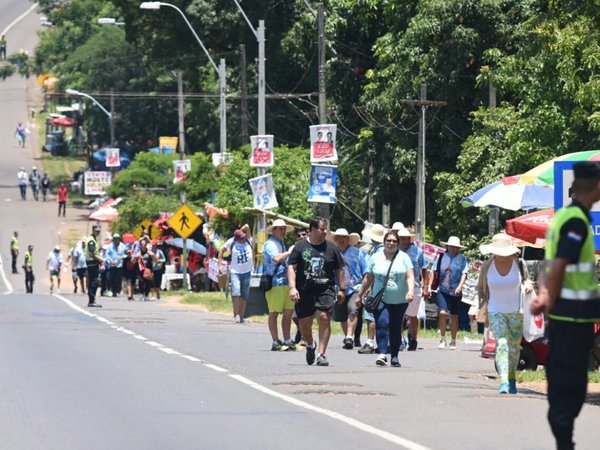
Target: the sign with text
pixel 262 151
pixel 322 184
pixel 222 159
pixel 184 221
pixel 322 143
pixel 96 182
pixel 263 192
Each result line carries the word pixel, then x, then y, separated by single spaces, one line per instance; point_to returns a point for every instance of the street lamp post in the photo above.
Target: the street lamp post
pixel 220 69
pixel 110 114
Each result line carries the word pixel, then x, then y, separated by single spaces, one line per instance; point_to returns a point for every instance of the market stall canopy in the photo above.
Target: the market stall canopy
pixel 62 121
pixel 530 227
pixel 512 193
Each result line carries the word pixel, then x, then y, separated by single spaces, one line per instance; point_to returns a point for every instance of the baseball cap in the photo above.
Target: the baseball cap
pixel 116 236
pixel 96 228
pixel 57 248
pixel 239 234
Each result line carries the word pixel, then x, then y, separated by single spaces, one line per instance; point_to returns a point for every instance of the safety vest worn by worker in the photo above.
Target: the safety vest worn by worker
pixel 14 243
pixel 90 256
pixel 28 259
pixel 578 300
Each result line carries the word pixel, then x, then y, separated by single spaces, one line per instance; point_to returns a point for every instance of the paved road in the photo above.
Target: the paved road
pixel 161 375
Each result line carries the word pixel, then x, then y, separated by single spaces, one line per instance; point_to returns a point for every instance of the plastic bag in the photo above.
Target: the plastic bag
pixel 533 324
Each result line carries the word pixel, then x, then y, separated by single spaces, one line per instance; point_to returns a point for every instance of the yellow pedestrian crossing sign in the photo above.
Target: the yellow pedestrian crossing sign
pixel 185 221
pixel 146 225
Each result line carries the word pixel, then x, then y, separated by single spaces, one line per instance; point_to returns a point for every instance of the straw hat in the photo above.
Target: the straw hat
pixel 375 233
pixel 353 237
pixel 279 223
pixel 404 232
pixel 453 241
pixel 397 226
pixel 501 245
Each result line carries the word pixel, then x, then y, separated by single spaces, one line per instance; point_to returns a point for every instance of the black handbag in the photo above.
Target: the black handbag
pixel 266 280
pixel 372 301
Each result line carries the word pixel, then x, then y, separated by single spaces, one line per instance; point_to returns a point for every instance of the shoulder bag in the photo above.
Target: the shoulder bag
pixel 435 281
pixel 266 279
pixel 372 301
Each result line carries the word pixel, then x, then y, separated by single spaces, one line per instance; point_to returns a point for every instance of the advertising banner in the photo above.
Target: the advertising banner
pixel 322 184
pixel 95 182
pixel 263 192
pixel 262 151
pixel 113 158
pixel 180 168
pixel 322 143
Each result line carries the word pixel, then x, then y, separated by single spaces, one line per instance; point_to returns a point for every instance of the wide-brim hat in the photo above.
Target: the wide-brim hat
pixel 279 223
pixel 397 226
pixel 404 232
pixel 453 241
pixel 375 233
pixel 353 238
pixel 501 245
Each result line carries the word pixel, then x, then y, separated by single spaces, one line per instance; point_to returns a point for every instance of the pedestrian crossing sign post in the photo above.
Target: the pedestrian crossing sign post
pixel 185 221
pixel 146 225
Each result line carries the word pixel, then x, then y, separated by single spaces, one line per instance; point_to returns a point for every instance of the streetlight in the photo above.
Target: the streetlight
pixel 220 69
pixel 104 110
pixel 110 21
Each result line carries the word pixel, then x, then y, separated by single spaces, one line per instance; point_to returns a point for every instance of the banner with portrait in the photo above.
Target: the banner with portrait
pixel 180 168
pixel 113 158
pixel 322 143
pixel 323 181
pixel 262 151
pixel 263 192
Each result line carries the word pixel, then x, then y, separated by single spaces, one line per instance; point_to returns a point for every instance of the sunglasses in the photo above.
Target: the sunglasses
pixel 391 241
pixel 301 235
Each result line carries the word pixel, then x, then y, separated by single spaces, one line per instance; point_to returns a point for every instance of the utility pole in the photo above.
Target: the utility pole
pixel 421 179
pixel 371 197
pixel 223 105
pixel 112 118
pixel 244 100
pixel 494 217
pixel 324 210
pixel 180 111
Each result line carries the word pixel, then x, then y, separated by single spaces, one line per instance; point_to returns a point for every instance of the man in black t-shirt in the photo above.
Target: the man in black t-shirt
pixel 313 267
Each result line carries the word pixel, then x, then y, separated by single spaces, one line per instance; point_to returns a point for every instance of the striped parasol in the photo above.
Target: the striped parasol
pixel 544 173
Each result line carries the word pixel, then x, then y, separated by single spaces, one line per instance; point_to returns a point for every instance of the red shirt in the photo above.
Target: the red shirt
pixel 63 194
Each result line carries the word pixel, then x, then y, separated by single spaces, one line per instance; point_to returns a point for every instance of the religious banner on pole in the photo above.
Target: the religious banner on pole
pixel 180 168
pixel 323 180
pixel 113 158
pixel 322 143
pixel 263 192
pixel 262 151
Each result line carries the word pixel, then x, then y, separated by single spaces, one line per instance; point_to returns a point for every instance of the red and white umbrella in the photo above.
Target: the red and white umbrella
pixel 530 227
pixel 106 214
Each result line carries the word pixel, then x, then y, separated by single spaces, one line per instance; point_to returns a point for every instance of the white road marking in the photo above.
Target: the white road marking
pixel 357 424
pixel 18 19
pixel 9 288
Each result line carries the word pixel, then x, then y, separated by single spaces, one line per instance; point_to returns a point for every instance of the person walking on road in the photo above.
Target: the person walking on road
pixel 28 268
pixel 313 268
pixel 78 265
pixel 23 180
pixel 570 298
pixel 391 270
pixel 14 251
pixel 21 134
pixel 501 279
pixel 53 266
pixel 93 260
pixel 2 48
pixel 35 179
pixel 45 186
pixel 275 256
pixel 115 254
pixel 63 197
pixel 452 268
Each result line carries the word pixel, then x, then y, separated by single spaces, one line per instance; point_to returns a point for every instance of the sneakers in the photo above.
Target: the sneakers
pixel 237 319
pixel 290 347
pixel 310 354
pixel 512 386
pixel 322 360
pixel 381 360
pixel 442 344
pixel 366 349
pixel 94 305
pixel 452 345
pixel 51 289
pixel 395 362
pixel 348 343
pixel 412 345
pixel 357 343
pixel 279 346
pixel 503 389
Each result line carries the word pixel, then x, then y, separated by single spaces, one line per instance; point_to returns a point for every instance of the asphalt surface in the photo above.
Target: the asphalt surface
pixel 162 375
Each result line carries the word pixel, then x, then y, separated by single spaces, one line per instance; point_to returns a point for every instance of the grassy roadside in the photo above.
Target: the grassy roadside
pixel 536 376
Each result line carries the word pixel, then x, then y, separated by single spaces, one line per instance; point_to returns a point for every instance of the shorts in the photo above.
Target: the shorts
pixel 55 273
pixel 310 301
pixel 368 316
pixel 278 299
pixel 82 272
pixel 447 302
pixel 240 284
pixel 341 312
pixel 413 307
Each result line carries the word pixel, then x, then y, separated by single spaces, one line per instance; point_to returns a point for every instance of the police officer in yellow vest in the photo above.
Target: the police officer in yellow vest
pixel 93 261
pixel 14 250
pixel 572 302
pixel 28 268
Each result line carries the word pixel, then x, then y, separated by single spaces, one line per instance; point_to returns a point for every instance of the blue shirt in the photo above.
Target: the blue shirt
pixel 272 248
pixel 418 261
pixel 397 287
pixel 356 265
pixel 115 255
pixel 451 270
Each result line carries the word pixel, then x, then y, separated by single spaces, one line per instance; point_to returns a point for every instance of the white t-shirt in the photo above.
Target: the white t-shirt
pixel 54 261
pixel 241 256
pixel 505 291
